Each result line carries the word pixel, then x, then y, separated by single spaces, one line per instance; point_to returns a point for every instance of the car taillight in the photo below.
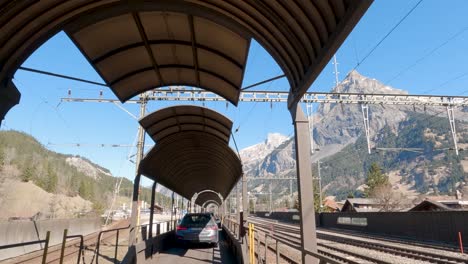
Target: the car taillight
pixel 213 227
pixel 181 228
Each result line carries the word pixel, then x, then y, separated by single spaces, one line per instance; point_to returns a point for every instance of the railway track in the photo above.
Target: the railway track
pixel 290 233
pixel 71 250
pixel 339 255
pixel 406 241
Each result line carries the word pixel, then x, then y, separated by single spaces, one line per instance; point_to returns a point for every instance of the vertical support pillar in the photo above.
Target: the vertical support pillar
pixel 135 209
pixel 226 207
pixel 238 203
pixel 243 216
pixel 172 208
pixel 189 206
pixel 238 209
pixel 320 184
pixel 304 184
pixel 365 115
pixel 291 194
pixel 453 130
pixel 245 198
pixel 153 198
pixel 193 204
pixel 270 207
pixel 136 184
pixel 310 118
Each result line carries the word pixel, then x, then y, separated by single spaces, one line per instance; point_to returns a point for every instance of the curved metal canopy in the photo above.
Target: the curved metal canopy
pixel 208 196
pixel 191 152
pixel 139 45
pixel 210 202
pixel 171 120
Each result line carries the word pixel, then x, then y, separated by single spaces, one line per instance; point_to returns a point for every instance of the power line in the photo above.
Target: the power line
pixel 428 54
pixel 443 84
pixel 388 34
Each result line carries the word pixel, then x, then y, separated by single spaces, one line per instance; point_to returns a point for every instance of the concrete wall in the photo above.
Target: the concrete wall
pixel 24 231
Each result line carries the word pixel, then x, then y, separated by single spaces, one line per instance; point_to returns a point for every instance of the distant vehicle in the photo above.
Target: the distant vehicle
pixel 217 219
pixel 197 228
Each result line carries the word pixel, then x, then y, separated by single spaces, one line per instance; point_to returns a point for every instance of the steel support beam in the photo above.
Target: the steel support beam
pixel 245 198
pixel 270 207
pixel 153 198
pixel 135 214
pixel 304 184
pixel 172 207
pixel 365 116
pixel 193 204
pixel 180 93
pixel 310 118
pixel 238 204
pixel 453 130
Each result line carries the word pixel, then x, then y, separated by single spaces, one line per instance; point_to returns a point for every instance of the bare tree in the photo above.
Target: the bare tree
pixel 389 199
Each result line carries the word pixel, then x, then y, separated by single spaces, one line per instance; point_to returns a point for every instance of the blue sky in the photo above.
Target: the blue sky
pixel 432 40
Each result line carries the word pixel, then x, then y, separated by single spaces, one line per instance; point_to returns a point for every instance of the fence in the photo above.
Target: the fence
pixel 436 227
pixel 256 246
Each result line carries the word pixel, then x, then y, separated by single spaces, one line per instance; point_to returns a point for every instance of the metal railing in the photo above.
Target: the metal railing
pixel 142 229
pixel 255 245
pixel 46 248
pixel 145 234
pixel 98 244
pixel 232 225
pixel 28 243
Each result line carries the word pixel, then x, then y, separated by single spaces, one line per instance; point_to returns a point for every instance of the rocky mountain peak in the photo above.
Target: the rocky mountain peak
pixel 357 83
pixel 86 167
pixel 253 154
pixel 341 124
pixel 273 140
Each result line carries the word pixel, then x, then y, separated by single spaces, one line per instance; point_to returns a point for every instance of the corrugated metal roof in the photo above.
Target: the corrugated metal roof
pixel 208 196
pixel 170 120
pixel 140 45
pixel 190 156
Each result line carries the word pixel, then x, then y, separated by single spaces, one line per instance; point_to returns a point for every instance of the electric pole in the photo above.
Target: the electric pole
pixel 140 150
pixel 335 64
pixel 291 192
pixel 320 183
pixel 270 206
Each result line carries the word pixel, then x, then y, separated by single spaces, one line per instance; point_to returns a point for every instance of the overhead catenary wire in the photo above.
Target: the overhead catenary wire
pixel 255 104
pixel 432 51
pixel 388 34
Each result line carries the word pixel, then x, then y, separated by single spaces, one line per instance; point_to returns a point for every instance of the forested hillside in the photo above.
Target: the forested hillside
pixel 23 158
pixel 435 168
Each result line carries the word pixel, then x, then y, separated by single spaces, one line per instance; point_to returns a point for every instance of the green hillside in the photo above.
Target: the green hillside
pixel 22 157
pixel 345 170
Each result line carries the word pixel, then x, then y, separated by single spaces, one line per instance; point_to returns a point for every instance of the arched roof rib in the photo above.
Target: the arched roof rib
pixel 140 45
pixel 183 118
pixel 208 196
pixel 192 151
pixel 162 48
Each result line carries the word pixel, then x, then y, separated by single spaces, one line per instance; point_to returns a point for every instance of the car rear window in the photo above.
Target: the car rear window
pixel 195 220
